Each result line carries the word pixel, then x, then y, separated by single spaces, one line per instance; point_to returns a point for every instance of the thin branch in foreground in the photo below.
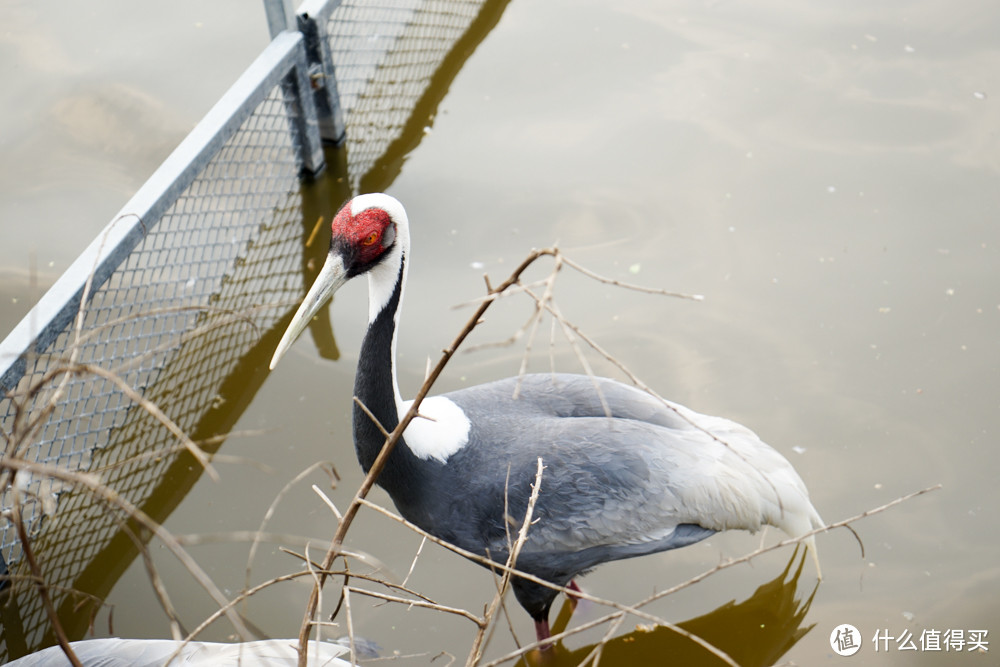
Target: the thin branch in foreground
pixel 329 503
pixel 598 650
pixel 698 578
pixel 507 342
pixel 550 285
pixel 136 397
pixel 416 556
pixel 39 580
pixel 28 433
pixel 569 329
pixel 418 603
pixel 622 609
pixel 476 652
pixel 222 611
pixel 346 596
pixel 154 579
pixel 108 496
pixel 271 510
pixel 843 523
pixel 571 332
pixel 629 286
pixel 368 413
pixel 366 577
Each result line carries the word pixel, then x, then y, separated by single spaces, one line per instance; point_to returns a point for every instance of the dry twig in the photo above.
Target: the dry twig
pixel 476 652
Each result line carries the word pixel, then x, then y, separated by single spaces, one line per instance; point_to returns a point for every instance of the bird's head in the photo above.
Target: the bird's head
pixel 363 233
pixel 367 236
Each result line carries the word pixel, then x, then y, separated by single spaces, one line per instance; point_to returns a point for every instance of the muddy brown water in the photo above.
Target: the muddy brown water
pixel 825 176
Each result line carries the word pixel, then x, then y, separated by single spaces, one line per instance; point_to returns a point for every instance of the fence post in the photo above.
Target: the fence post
pixel 280 16
pixel 302 116
pixel 322 76
pixel 297 88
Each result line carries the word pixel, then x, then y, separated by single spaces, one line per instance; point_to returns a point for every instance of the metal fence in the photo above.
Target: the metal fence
pixel 180 300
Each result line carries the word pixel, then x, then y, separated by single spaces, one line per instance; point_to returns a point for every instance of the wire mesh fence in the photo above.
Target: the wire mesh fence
pixel 379 94
pixel 170 323
pixel 172 303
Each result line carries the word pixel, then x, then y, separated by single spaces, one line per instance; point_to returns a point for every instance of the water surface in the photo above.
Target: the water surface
pixel 824 175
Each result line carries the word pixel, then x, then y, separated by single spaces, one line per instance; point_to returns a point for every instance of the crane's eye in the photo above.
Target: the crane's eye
pixel 370 239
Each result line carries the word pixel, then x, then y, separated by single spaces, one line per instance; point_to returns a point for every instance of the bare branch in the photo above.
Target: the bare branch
pixel 329 503
pixel 272 508
pixel 419 603
pixel 413 565
pixel 630 286
pixel 39 579
pixel 843 523
pixel 476 652
pixel 108 496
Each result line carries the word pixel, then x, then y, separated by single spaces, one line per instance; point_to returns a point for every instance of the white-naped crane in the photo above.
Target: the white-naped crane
pixel 625 474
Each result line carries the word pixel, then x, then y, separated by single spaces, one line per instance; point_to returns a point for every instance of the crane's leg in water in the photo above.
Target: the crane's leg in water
pixel 542 633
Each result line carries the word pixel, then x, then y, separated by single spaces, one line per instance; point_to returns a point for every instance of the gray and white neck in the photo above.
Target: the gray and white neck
pixel 443 428
pixel 376 384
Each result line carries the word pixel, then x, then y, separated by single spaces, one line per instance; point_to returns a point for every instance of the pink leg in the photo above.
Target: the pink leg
pixel 542 633
pixel 573 599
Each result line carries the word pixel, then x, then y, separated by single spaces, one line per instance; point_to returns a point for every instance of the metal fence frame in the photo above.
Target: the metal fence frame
pixel 283 61
pixel 299 58
pixel 283 65
pixel 296 70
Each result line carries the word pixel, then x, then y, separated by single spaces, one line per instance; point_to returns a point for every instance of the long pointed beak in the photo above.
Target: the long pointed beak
pixel 329 280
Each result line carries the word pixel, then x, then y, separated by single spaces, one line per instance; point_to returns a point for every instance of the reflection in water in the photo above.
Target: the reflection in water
pixel 755 632
pixel 389 162
pixel 321 199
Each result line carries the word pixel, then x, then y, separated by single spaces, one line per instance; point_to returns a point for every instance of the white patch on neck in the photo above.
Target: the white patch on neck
pixel 442 430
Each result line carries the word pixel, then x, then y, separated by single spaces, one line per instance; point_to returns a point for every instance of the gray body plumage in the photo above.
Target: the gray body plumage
pixel 625 477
